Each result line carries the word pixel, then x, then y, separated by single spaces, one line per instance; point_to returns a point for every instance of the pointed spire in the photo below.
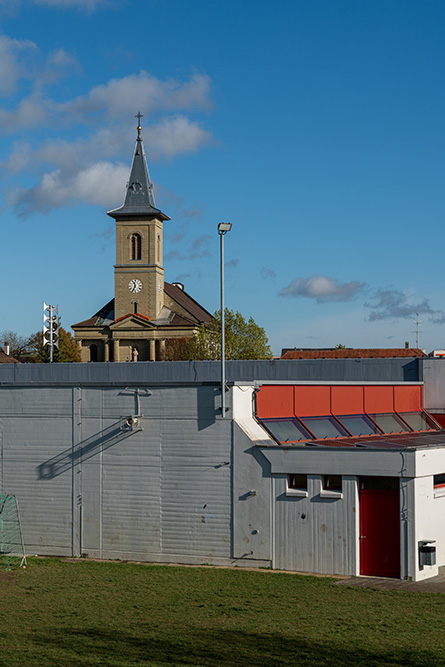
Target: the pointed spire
pixel 139 198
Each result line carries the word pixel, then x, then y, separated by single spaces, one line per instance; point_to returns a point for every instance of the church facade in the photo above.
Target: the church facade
pixel 146 311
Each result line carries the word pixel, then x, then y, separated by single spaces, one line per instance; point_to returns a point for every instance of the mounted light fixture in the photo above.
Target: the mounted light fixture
pixel 224 227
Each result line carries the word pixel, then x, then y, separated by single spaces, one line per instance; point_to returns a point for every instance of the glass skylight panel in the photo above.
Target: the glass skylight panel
pixel 324 427
pixel 358 424
pixel 419 421
pixel 286 430
pixel 390 423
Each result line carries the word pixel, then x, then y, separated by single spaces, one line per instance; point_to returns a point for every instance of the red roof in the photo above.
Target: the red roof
pixel 144 317
pixel 365 353
pixel 6 359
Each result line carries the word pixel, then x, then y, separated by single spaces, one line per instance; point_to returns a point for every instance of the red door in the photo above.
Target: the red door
pixel 379 527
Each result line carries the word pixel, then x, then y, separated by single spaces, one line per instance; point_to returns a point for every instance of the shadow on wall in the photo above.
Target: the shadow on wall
pixel 86 449
pixel 411 371
pixel 208 405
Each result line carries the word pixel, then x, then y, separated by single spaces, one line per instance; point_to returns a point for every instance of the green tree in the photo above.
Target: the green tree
pixel 66 352
pixel 244 339
pixel 340 347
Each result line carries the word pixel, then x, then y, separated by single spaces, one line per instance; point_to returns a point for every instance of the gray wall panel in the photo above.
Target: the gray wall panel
pixel 434 377
pixel 252 489
pixel 195 488
pixel 195 372
pixel 27 401
pixel 315 534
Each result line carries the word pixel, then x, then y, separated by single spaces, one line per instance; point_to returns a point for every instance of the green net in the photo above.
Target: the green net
pixel 12 548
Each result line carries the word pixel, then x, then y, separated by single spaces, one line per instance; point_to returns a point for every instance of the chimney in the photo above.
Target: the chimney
pixel 406 345
pixel 7 348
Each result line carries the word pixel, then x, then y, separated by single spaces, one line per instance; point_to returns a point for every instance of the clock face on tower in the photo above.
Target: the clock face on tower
pixel 135 285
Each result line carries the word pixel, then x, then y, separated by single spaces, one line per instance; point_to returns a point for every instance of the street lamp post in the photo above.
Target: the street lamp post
pixel 223 228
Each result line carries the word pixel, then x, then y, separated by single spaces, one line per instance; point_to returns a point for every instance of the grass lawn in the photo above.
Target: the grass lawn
pixel 89 613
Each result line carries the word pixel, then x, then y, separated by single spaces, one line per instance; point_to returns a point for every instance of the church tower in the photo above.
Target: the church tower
pixel 148 318
pixel 138 273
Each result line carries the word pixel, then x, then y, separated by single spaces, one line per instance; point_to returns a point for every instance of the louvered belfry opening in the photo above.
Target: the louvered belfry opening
pixel 135 246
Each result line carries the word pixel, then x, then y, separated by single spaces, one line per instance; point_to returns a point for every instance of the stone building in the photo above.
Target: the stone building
pixel 146 311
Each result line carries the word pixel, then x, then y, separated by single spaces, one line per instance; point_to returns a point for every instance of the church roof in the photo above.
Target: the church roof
pixel 105 316
pixel 139 198
pixel 187 302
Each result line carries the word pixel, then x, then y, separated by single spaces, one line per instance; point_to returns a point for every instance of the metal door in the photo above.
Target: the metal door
pixel 379 527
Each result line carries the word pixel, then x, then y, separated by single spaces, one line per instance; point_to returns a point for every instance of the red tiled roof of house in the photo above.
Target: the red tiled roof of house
pixel 6 359
pixel 365 353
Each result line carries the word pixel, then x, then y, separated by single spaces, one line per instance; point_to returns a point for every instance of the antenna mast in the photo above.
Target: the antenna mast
pixel 417 324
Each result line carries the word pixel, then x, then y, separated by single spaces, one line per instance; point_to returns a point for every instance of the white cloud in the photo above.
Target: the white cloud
pixel 29 113
pixel 102 183
pixel 13 55
pixel 322 289
pixel 173 136
pixel 119 98
pixel 85 167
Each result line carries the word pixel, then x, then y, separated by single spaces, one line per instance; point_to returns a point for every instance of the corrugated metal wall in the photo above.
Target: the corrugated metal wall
pixel 315 534
pixel 185 488
pixel 86 486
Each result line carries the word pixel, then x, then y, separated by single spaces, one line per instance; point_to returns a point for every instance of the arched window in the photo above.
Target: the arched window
pixel 135 241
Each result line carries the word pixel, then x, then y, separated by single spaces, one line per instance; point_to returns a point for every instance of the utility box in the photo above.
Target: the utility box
pixel 427 553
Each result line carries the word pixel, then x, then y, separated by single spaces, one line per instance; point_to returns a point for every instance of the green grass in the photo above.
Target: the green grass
pixel 89 613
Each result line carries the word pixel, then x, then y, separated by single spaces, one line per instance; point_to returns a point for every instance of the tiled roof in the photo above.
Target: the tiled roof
pixel 6 359
pixel 365 353
pixel 131 315
pixel 105 315
pixel 187 302
pixel 180 320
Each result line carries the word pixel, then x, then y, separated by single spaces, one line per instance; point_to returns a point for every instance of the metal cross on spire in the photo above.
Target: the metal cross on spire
pixel 139 115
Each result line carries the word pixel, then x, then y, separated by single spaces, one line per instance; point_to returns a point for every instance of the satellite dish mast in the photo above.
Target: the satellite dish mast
pixel 51 324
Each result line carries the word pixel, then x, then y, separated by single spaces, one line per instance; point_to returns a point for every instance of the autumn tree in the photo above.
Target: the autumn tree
pixel 244 339
pixel 18 345
pixel 65 353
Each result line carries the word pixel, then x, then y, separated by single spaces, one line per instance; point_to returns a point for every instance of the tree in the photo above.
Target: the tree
pixel 243 339
pixel 340 347
pixel 67 351
pixel 18 345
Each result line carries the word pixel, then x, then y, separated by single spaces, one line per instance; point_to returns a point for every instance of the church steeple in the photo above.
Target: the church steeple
pixel 139 198
pixel 138 272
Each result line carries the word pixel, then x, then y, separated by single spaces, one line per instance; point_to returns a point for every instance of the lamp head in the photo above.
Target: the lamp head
pixel 224 227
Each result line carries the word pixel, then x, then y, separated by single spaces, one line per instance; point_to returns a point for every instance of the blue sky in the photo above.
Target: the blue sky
pixel 315 127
